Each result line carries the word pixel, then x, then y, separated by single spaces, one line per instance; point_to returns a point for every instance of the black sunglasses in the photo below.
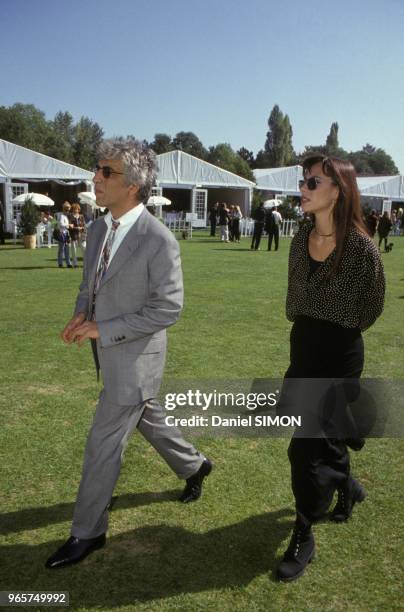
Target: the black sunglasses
pixel 312 183
pixel 106 171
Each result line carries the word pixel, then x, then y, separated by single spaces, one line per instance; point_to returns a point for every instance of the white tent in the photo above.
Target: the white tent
pixel 177 167
pixel 279 180
pixel 17 162
pixel 384 187
pixel 286 181
pixel 20 163
pixel 206 183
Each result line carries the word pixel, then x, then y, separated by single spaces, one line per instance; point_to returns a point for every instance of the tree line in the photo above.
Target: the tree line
pixel 77 142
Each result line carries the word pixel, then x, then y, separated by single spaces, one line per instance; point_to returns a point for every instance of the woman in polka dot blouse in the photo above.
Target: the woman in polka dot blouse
pixel 335 291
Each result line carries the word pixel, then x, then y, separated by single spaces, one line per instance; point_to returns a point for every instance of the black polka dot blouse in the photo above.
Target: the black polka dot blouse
pixel 354 297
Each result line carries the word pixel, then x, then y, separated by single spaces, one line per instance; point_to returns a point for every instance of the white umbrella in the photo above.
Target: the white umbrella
pixel 87 197
pixel 271 203
pixel 37 198
pixel 158 201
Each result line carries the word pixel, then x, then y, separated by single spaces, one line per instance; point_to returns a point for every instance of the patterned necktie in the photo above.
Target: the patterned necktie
pixel 104 260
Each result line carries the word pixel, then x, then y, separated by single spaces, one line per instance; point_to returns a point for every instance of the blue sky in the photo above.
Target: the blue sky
pixel 214 67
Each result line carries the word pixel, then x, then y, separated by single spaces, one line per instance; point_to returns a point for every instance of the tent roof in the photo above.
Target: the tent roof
pixel 179 168
pixel 390 187
pixel 17 162
pixel 284 180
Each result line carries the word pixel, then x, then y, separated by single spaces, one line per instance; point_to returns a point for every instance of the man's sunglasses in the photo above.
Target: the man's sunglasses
pixel 106 171
pixel 312 183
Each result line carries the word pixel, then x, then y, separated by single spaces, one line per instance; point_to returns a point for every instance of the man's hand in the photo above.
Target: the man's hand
pixel 86 330
pixel 76 321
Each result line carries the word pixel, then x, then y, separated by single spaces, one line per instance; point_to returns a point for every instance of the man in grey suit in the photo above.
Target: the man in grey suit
pixel 131 292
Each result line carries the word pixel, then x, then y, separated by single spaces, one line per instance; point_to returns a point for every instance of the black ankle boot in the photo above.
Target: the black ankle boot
pixel 348 495
pixel 299 553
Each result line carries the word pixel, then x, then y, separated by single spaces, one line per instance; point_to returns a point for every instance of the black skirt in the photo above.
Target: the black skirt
pixel 319 457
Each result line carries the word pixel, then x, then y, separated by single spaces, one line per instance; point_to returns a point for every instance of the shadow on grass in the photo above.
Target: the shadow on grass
pixel 203 240
pixel 29 268
pixel 233 249
pixel 155 562
pixel 35 518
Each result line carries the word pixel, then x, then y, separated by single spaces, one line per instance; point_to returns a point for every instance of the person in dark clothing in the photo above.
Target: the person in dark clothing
pixel 336 290
pixel 371 222
pixel 259 218
pixel 273 221
pixel 237 216
pixel 224 219
pixel 384 228
pixel 2 221
pixel 213 218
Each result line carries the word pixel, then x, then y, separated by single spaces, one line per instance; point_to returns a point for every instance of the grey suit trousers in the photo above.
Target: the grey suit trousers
pixel 106 443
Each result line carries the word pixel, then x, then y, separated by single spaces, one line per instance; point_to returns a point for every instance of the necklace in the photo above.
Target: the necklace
pixel 324 235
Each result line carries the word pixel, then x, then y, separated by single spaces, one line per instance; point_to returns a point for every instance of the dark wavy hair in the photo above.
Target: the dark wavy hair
pixel 347 212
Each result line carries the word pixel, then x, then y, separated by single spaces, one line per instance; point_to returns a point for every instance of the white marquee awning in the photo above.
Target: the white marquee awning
pixel 179 168
pixel 20 163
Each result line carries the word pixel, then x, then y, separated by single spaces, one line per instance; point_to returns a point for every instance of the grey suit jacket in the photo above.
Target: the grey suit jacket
pixel 140 296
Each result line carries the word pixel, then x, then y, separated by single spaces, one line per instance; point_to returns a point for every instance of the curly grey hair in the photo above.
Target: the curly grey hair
pixel 139 162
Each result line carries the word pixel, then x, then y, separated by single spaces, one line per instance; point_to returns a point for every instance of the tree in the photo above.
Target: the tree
pixel 60 142
pixel 189 143
pixel 162 143
pixel 87 138
pixel 331 144
pixel 247 155
pixel 262 160
pixel 25 125
pixel 278 145
pixel 222 155
pixel 311 150
pixel 361 163
pixel 373 161
pixel 369 149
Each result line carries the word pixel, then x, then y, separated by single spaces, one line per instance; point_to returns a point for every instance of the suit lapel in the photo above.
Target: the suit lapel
pixel 98 242
pixel 127 247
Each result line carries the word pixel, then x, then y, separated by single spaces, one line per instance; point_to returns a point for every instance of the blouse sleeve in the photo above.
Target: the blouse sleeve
pixel 374 284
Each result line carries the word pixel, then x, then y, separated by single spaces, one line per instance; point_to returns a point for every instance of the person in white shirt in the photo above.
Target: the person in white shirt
pixel 63 223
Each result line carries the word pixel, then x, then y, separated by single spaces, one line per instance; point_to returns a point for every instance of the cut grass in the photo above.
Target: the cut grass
pixel 217 554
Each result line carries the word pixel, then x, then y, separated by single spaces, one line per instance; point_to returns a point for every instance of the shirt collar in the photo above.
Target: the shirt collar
pixel 128 218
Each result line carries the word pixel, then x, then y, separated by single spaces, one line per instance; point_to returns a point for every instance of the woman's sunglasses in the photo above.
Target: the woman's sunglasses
pixel 106 171
pixel 312 183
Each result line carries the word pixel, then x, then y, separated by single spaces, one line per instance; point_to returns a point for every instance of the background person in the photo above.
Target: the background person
pixel 384 228
pixel 63 225
pixel 259 222
pixel 273 224
pixel 2 222
pixel 371 223
pixel 213 218
pixel 399 226
pixel 224 219
pixel 237 216
pixel 335 292
pixel 77 230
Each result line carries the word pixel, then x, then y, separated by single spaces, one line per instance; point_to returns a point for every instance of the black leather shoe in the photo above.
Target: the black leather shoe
pixel 193 488
pixel 74 550
pixel 298 555
pixel 348 495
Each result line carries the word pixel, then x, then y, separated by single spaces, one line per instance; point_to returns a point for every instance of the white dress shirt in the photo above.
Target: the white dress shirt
pixel 126 222
pixel 277 217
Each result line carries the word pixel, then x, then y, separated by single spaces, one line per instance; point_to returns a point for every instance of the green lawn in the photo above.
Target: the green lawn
pixel 219 553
